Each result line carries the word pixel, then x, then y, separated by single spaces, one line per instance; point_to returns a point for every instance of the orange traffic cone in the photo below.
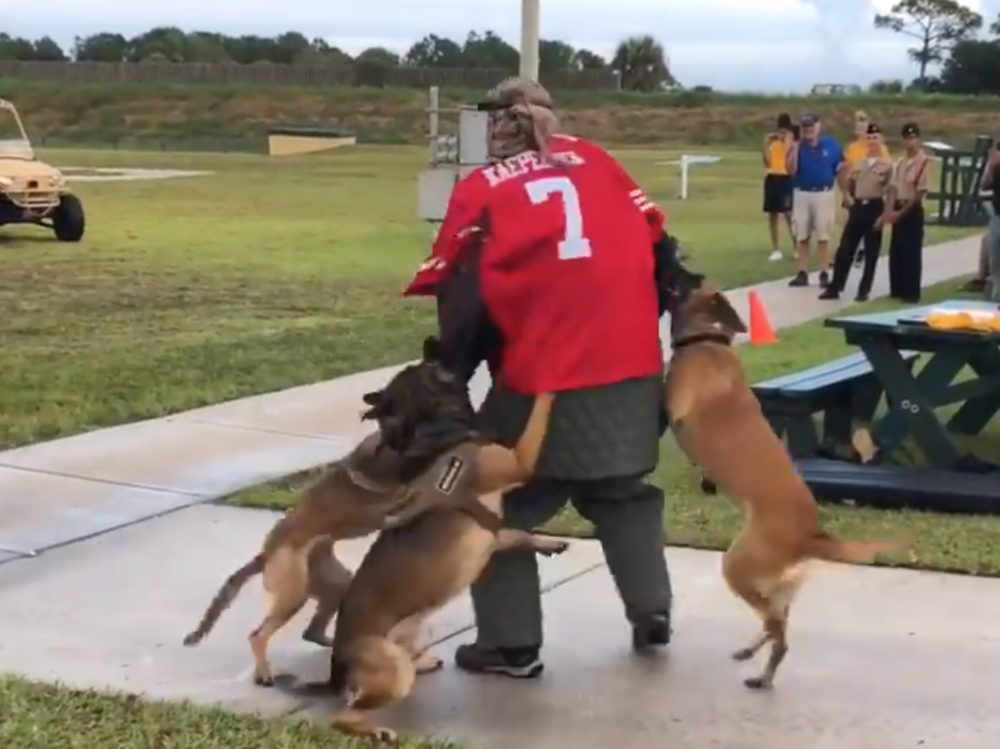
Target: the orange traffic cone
pixel 761 332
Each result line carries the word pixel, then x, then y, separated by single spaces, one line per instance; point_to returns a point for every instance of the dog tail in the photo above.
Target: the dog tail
pixel 832 549
pixel 226 595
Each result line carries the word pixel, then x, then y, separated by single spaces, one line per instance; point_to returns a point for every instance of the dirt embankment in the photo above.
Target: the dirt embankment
pixel 91 114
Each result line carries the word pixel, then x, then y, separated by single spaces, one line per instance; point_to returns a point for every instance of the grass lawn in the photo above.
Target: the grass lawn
pixel 268 274
pixel 41 716
pixel 952 543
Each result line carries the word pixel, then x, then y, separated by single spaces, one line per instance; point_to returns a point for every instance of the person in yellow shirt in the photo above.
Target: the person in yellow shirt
pixel 777 182
pixel 857 150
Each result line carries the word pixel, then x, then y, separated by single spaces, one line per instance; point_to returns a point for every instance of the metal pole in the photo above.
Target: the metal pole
pixel 530 22
pixel 435 121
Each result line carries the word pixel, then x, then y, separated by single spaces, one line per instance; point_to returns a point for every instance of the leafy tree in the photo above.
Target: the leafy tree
pixel 584 59
pixel 103 47
pixel 642 64
pixel 16 48
pixel 555 56
pixel 488 50
pixel 162 44
pixel 380 56
pixel 937 25
pixel 972 68
pixel 434 51
pixel 48 50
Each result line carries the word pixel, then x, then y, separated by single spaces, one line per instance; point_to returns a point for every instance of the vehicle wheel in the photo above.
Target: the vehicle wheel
pixel 68 219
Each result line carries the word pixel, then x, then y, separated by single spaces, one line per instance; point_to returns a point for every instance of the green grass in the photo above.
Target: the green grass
pixel 270 273
pixel 944 542
pixel 43 716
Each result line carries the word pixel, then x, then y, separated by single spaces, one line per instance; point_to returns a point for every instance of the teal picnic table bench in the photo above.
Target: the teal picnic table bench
pixel 958 368
pixel 839 392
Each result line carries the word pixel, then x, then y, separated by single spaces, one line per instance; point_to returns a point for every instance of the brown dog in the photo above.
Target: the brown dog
pixel 718 423
pixel 414 570
pixel 355 497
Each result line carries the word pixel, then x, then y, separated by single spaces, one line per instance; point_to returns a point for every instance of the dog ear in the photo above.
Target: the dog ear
pixel 373 398
pixel 432 349
pixel 727 315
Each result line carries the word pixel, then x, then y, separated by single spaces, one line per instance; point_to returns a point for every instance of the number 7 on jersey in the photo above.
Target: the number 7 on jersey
pixel 574 244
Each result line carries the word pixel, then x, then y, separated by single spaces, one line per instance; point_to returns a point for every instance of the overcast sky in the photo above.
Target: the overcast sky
pixel 759 45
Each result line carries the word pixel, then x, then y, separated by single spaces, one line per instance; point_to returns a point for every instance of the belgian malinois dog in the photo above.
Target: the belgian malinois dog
pixel 355 497
pixel 718 423
pixel 414 569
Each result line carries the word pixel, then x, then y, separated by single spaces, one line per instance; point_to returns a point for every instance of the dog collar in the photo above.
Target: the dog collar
pixel 706 337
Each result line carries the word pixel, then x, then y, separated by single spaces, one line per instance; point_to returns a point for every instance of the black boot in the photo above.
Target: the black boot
pixel 651 631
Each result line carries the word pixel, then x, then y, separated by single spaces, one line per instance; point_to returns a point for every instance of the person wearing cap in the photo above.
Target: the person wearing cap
pixel 991 182
pixel 815 163
pixel 867 183
pixel 777 182
pixel 552 264
pixel 857 151
pixel 905 213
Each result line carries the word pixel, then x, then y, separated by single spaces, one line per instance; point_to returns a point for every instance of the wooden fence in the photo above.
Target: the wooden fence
pixel 269 74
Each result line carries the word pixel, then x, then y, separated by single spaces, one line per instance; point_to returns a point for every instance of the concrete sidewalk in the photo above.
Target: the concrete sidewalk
pixel 62 491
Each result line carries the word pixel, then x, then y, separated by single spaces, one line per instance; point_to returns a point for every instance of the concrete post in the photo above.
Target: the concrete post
pixel 530 22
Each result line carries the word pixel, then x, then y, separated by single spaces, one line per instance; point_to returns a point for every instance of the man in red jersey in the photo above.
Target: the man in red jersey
pixel 552 265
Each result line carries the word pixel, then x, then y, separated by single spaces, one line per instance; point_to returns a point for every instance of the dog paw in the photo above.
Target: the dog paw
pixel 263 680
pixel 426 663
pixel 757 683
pixel 552 548
pixel 318 638
pixel 743 655
pixel 385 735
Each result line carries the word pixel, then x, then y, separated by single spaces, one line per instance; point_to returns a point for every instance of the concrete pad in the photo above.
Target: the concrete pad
pixel 879 659
pixel 112 611
pixel 41 510
pixel 176 455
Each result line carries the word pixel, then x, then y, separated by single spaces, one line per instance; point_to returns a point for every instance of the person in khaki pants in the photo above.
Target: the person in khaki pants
pixel 815 163
pixel 867 182
pixel 905 213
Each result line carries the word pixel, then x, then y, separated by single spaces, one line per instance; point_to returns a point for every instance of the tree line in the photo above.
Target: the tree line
pixel 641 60
pixel 952 38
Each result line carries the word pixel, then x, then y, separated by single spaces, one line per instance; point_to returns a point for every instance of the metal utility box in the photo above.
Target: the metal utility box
pixel 452 156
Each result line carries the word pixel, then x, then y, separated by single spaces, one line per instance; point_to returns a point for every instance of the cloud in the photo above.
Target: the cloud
pixel 737 44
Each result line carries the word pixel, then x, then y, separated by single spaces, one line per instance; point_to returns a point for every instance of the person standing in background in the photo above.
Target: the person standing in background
pixel 778 183
pixel 815 163
pixel 991 181
pixel 867 183
pixel 857 151
pixel 905 213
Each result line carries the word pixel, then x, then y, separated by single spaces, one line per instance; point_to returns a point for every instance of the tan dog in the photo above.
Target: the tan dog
pixel 356 496
pixel 412 571
pixel 718 423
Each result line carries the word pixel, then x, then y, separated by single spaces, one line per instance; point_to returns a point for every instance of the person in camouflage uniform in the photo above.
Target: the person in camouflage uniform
pixel 602 443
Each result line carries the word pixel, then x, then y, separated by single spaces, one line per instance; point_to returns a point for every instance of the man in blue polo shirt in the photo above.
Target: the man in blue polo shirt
pixel 815 163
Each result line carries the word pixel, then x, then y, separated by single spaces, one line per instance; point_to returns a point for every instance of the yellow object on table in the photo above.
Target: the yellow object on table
pixel 984 321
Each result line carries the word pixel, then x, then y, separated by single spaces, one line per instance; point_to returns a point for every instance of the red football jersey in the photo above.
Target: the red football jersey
pixel 567 266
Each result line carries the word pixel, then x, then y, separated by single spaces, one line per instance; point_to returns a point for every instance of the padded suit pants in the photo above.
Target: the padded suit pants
pixel 627 514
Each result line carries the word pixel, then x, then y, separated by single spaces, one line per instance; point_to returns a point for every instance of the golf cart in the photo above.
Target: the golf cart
pixel 31 191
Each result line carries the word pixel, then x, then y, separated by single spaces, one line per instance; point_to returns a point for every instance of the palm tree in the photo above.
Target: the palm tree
pixel 642 64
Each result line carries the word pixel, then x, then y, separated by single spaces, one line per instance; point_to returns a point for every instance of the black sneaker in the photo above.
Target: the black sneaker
pixel 652 631
pixel 519 663
pixel 824 279
pixel 799 279
pixel 974 285
pixel 861 298
pixel 829 293
pixel 859 258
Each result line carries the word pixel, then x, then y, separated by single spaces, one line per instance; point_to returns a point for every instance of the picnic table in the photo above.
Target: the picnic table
pixel 913 394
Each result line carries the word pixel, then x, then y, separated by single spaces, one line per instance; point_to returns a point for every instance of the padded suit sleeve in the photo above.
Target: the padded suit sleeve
pixel 671 277
pixel 467 335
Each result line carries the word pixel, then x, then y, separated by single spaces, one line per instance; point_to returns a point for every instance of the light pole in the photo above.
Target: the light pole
pixel 530 21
